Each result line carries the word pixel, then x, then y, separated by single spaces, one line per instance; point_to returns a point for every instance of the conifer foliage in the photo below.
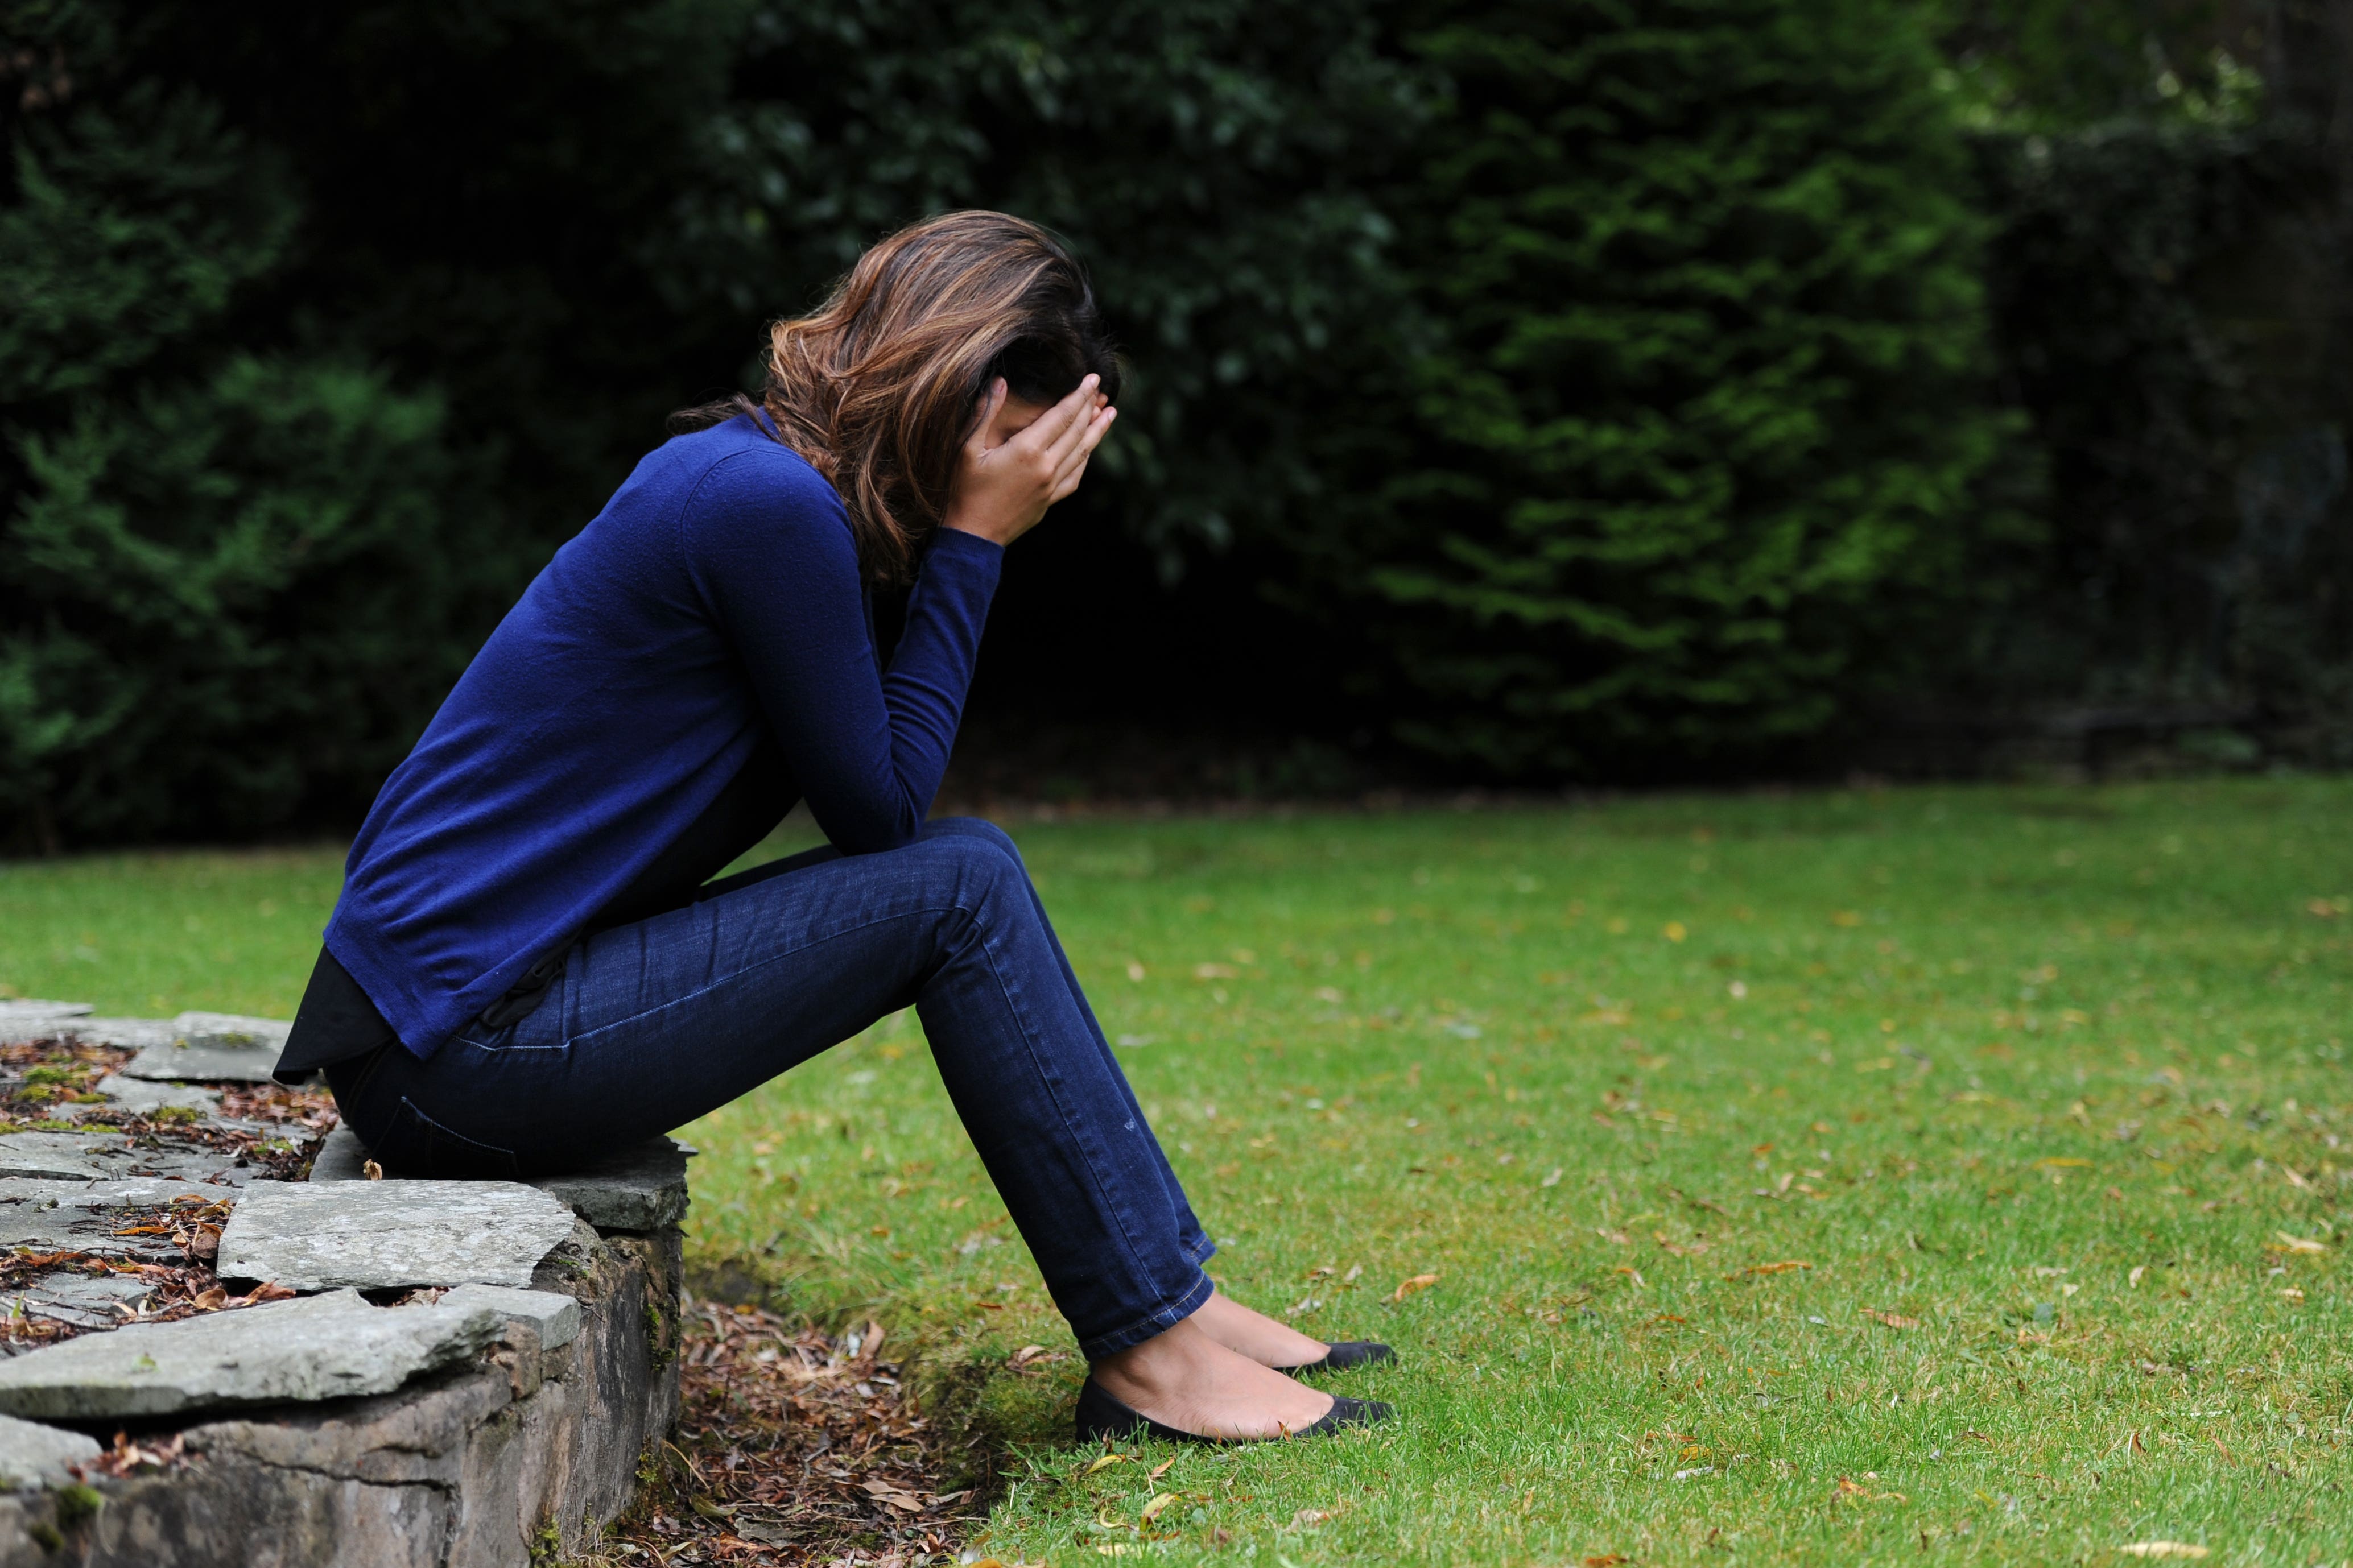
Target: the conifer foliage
pixel 225 578
pixel 1693 426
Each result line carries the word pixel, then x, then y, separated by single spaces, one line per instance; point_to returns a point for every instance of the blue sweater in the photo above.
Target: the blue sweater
pixel 715 601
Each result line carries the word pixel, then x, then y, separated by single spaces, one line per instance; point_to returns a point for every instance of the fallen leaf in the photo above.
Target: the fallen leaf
pixel 2063 1161
pixel 1157 1507
pixel 1159 1469
pixel 1107 1460
pixel 1755 1268
pixel 1892 1320
pixel 2299 1243
pixel 710 1510
pixel 2162 1549
pixel 1418 1282
pixel 882 1492
pixel 1608 1560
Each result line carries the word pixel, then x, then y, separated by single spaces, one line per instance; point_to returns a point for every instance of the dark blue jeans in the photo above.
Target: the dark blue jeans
pixel 653 1025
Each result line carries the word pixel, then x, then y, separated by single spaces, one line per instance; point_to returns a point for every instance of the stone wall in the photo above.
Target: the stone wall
pixel 449 1374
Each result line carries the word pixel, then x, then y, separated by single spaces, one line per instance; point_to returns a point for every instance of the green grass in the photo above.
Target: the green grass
pixel 2051 1077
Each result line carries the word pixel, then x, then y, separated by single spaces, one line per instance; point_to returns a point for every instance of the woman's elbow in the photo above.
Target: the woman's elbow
pixel 873 833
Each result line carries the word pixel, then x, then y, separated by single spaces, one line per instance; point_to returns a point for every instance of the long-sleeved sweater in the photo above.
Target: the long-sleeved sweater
pixel 710 618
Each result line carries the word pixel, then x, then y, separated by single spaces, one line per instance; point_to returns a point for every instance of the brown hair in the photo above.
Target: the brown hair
pixel 880 386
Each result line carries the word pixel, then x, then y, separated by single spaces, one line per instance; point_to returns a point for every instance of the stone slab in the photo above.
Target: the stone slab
pixel 233 1031
pixel 325 1347
pixel 639 1189
pixel 341 1157
pixel 643 1188
pixel 379 1234
pixel 80 1217
pixel 127 1191
pixel 556 1317
pixel 195 1047
pixel 101 1154
pixel 85 1301
pixel 125 1034
pixel 19 1012
pixel 65 1156
pixel 185 1062
pixel 33 1455
pixel 145 1096
pixel 461 1468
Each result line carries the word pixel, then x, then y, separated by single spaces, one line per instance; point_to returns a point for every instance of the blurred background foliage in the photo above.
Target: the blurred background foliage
pixel 1604 390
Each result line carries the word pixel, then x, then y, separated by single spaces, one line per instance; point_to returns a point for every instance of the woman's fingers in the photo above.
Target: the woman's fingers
pixel 1075 443
pixel 1054 426
pixel 1074 435
pixel 1074 466
pixel 1068 482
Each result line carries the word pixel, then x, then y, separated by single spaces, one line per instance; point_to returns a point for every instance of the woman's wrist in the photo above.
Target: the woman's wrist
pixel 971 536
pixel 992 530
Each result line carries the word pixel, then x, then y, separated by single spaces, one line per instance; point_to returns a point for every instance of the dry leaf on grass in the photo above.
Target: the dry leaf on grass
pixel 1893 1319
pixel 1418 1282
pixel 1031 1358
pixel 2162 1549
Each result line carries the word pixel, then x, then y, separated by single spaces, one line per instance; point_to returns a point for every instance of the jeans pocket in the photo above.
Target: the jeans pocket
pixel 417 1145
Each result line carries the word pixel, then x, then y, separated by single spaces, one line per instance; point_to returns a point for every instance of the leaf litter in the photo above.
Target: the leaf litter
pixel 793 1447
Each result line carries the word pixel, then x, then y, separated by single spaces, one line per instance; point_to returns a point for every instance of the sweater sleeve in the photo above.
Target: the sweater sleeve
pixel 769 548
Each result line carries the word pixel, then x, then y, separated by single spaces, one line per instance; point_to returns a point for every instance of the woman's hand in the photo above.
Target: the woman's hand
pixel 1022 459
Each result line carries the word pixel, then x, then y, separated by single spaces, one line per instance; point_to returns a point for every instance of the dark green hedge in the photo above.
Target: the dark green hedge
pixel 1696 420
pixel 1603 389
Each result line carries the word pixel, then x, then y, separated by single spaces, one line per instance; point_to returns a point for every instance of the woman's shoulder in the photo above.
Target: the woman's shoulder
pixel 739 468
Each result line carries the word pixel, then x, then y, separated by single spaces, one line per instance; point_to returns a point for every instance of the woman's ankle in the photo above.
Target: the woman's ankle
pixel 1254 1334
pixel 1183 1378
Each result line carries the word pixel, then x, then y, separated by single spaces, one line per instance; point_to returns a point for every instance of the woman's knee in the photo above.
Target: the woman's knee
pixel 974 830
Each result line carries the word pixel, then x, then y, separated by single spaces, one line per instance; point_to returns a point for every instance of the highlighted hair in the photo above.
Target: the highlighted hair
pixel 880 386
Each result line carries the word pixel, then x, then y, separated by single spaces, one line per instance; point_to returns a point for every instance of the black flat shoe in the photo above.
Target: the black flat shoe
pixel 1101 1415
pixel 1344 1356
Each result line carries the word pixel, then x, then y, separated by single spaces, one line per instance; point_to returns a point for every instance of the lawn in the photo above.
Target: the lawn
pixel 1845 1176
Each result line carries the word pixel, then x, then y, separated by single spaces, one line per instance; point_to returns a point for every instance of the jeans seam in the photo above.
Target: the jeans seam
pixel 1053 1088
pixel 834 934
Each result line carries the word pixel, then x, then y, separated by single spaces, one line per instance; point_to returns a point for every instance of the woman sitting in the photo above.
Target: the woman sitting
pixel 529 967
